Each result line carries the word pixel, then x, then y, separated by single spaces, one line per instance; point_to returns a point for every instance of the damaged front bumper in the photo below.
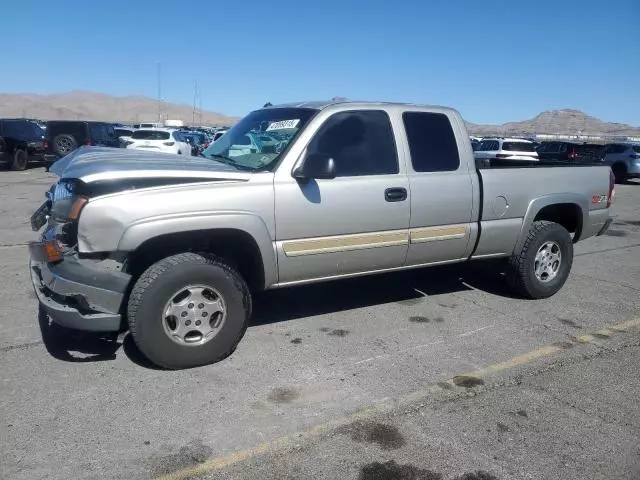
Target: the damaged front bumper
pixel 78 294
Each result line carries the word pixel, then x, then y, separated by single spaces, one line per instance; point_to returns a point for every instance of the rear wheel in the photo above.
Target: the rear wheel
pixel 620 172
pixel 20 160
pixel 543 264
pixel 188 310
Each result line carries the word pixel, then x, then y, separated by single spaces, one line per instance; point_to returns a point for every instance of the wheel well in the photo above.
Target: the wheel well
pixel 235 247
pixel 569 215
pixel 620 166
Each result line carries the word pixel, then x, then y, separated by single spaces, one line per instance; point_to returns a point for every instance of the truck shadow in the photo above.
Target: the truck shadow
pixel 294 303
pixel 76 346
pixel 400 287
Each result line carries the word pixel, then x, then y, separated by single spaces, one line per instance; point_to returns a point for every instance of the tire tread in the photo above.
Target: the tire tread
pixel 517 275
pixel 159 268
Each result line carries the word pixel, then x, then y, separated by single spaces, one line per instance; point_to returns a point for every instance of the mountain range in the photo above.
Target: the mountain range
pixel 98 106
pixel 133 109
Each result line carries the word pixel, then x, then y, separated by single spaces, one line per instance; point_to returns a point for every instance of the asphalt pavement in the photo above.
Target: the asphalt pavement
pixel 428 374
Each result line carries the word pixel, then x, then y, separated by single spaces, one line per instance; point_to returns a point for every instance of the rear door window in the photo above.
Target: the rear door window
pixel 615 148
pixel 432 142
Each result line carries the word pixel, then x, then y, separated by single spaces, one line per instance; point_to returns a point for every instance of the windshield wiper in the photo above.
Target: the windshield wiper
pixel 228 161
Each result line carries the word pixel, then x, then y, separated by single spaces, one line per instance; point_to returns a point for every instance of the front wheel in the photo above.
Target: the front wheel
pixel 188 310
pixel 543 264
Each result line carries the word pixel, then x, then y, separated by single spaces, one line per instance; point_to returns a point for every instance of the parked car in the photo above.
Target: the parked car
pixel 624 160
pixel 64 136
pixel 23 142
pixel 506 148
pixel 147 125
pixel 570 152
pixel 218 134
pixel 198 141
pixel 180 246
pixel 159 140
pixel 123 134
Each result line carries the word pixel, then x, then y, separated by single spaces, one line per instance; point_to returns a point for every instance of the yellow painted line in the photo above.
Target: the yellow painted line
pixel 378 408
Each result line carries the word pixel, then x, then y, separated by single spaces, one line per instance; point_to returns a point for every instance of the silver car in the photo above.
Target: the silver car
pixel 624 160
pixel 506 148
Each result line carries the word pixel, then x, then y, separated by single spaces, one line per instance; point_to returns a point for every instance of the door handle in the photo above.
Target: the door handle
pixel 396 194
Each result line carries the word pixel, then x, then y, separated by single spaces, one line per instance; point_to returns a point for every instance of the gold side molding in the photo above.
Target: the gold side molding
pixel 433 234
pixel 344 243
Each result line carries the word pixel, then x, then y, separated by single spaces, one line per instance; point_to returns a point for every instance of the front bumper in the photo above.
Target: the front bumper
pixel 78 294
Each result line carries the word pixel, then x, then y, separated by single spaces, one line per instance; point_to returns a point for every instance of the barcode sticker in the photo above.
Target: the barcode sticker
pixel 281 125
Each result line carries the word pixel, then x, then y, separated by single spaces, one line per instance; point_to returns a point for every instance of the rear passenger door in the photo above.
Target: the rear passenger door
pixel 356 222
pixel 441 190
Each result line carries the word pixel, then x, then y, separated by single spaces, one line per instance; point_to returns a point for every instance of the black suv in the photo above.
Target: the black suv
pixel 64 136
pixel 21 144
pixel 570 152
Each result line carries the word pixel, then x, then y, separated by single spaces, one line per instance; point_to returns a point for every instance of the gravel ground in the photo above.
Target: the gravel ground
pixel 351 368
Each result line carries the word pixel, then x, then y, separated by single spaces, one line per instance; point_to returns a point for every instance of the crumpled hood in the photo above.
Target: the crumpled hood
pixel 94 164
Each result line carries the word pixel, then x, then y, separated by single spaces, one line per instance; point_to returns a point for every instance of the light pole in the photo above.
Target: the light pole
pixel 159 95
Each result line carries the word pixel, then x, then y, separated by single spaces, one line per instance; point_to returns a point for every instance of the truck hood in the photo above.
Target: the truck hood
pixel 99 164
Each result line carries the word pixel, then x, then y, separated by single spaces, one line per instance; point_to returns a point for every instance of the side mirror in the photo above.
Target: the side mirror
pixel 316 165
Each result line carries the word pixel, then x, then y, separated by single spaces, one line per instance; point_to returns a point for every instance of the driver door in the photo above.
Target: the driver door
pixel 354 223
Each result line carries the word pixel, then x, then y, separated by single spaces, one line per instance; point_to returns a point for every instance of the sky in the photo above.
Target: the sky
pixel 494 61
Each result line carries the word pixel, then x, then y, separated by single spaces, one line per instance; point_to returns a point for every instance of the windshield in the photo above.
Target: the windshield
pixel 150 135
pixel 518 147
pixel 257 140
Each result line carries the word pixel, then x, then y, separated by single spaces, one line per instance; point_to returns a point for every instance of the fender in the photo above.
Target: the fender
pixel 143 230
pixel 539 203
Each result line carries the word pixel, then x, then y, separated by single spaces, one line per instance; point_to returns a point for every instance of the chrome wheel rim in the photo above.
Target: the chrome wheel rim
pixel 194 315
pixel 547 262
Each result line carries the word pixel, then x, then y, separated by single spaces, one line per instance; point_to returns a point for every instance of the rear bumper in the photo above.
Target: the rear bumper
pixel 77 294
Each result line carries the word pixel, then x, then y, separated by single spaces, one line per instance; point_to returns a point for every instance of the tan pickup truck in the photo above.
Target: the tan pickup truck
pixel 172 247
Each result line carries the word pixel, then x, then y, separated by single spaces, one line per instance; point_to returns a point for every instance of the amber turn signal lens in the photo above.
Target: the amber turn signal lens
pixel 52 253
pixel 77 207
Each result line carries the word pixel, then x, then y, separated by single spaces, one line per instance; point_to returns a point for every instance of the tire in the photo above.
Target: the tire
pixel 620 172
pixel 64 144
pixel 522 266
pixel 159 286
pixel 20 160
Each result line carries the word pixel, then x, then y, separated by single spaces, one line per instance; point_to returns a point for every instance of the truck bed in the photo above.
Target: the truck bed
pixel 506 208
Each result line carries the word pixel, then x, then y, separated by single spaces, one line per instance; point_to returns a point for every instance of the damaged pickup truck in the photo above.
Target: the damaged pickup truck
pixel 173 248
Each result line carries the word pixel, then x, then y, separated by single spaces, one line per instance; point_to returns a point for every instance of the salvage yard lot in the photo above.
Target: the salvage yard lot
pixel 335 380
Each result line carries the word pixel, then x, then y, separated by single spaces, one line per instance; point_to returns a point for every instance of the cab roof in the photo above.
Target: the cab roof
pixel 322 104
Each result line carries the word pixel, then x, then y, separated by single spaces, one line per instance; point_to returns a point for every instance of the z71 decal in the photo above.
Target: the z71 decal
pixel 597 199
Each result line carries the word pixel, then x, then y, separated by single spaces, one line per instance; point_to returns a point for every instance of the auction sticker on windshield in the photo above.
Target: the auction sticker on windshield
pixel 283 124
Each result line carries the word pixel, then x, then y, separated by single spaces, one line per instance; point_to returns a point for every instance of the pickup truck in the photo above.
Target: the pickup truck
pixel 174 249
